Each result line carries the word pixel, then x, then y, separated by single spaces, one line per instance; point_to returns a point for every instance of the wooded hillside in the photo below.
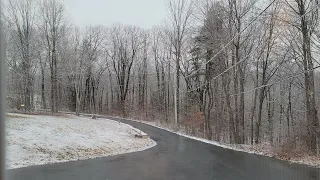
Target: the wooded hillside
pixel 236 71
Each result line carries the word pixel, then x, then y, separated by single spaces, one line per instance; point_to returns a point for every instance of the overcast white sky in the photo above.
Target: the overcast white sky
pixel 143 13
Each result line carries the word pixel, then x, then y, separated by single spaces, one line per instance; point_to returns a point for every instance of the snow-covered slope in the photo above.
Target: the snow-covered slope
pixel 35 140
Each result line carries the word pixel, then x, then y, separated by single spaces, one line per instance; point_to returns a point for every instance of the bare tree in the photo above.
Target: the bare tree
pixel 41 56
pixel 308 20
pixel 90 50
pixel 52 16
pixel 266 67
pixel 125 43
pixel 241 50
pixel 180 12
pixel 22 15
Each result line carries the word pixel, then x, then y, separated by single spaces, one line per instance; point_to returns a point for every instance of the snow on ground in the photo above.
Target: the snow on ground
pixel 261 149
pixel 35 140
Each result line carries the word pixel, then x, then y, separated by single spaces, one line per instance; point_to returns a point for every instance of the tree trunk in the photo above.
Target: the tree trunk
pixel 311 111
pixel 177 89
pixel 43 97
pixel 242 106
pixel 270 107
pixel 232 131
pixel 289 109
pixel 52 88
pixel 253 111
pixel 258 123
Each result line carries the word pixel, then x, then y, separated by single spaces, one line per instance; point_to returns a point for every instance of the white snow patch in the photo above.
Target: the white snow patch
pixel 35 140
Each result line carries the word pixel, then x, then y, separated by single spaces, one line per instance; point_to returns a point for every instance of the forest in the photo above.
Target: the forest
pixel 234 71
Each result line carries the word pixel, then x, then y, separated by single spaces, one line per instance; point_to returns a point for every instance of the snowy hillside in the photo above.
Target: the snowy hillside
pixel 34 140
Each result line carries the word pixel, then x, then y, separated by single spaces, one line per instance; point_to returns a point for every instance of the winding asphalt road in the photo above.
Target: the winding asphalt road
pixel 175 158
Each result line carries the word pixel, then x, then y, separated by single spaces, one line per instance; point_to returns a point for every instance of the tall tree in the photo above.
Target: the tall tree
pixel 308 20
pixel 125 43
pixel 53 27
pixel 22 15
pixel 180 12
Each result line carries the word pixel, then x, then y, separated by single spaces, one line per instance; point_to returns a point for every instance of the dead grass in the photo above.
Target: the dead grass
pixel 286 152
pixel 16 112
pixel 14 116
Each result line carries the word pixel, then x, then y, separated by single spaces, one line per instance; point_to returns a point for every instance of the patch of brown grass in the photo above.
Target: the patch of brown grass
pixel 39 113
pixel 14 116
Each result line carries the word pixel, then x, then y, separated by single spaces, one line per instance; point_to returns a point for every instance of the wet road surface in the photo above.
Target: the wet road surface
pixel 175 157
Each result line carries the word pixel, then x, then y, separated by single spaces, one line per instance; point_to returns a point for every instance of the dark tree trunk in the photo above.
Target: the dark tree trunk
pixel 43 97
pixel 311 111
pixel 258 123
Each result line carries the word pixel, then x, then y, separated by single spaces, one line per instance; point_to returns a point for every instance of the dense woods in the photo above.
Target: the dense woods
pixel 235 71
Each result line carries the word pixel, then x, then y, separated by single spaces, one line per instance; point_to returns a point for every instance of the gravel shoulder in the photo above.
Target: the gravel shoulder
pixel 36 140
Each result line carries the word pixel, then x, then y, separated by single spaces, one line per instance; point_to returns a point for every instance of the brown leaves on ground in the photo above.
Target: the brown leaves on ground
pixel 286 152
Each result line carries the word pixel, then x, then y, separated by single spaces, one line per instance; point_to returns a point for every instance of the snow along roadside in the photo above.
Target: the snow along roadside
pixel 310 161
pixel 36 140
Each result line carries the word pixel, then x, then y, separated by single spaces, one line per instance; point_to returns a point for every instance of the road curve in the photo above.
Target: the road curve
pixel 175 157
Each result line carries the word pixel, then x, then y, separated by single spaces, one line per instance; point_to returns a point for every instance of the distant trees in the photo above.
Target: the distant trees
pixel 21 15
pixel 126 41
pixel 232 71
